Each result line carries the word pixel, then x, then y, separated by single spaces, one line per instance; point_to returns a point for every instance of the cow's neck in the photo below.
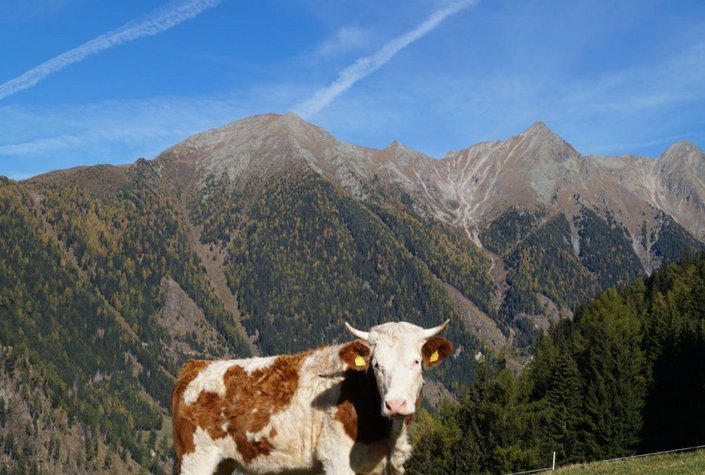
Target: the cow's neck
pixel 399 446
pixel 359 408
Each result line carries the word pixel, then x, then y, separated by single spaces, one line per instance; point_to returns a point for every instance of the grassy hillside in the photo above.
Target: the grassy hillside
pixel 689 463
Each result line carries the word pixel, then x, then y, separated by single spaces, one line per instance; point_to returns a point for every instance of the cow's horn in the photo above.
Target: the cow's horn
pixel 429 332
pixel 358 333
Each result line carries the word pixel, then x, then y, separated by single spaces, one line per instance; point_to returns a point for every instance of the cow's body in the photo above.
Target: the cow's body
pixel 310 412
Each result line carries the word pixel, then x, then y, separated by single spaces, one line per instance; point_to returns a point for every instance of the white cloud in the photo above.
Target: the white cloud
pixel 159 20
pixel 345 40
pixel 363 67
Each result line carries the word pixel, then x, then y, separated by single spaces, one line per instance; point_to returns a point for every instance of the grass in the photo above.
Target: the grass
pixel 688 463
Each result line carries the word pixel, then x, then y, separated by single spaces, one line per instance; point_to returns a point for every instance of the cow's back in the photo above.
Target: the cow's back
pixel 235 408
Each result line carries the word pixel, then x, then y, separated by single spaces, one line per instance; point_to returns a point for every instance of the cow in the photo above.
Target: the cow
pixel 340 409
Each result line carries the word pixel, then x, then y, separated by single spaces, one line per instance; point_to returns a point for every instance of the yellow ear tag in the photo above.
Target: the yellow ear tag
pixel 359 361
pixel 434 357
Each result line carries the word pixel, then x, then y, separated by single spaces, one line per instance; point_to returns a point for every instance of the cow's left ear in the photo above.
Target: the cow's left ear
pixel 356 355
pixel 435 350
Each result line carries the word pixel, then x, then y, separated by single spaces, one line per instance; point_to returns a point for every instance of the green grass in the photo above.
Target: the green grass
pixel 688 463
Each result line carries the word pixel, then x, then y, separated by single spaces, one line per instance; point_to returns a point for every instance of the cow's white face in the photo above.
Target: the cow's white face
pixel 399 351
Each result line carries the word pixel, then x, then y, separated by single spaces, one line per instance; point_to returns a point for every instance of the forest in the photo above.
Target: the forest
pixel 80 314
pixel 625 376
pixel 302 250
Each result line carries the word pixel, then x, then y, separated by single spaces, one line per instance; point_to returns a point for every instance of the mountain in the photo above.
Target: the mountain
pixel 263 236
pixel 641 210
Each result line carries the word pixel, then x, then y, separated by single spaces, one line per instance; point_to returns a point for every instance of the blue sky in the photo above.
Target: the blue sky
pixel 87 81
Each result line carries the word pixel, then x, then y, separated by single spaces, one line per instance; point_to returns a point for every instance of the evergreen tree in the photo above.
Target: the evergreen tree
pixel 609 355
pixel 564 397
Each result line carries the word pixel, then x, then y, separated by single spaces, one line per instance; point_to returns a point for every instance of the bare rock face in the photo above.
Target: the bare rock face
pixel 680 173
pixel 186 324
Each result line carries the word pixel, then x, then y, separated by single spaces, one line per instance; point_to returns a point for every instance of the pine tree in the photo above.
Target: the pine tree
pixel 610 358
pixel 564 397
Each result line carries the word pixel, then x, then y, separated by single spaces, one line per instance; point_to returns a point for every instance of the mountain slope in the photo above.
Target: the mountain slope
pixel 535 172
pixel 83 271
pixel 263 236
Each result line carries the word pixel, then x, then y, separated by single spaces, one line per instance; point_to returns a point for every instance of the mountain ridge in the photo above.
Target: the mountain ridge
pixel 533 170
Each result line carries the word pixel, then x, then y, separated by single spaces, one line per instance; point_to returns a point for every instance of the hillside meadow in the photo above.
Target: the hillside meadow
pixel 686 463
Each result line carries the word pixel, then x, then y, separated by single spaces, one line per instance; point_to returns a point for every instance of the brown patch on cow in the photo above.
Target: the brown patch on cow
pixel 433 344
pixel 250 450
pixel 354 354
pixel 273 433
pixel 247 406
pixel 348 417
pixel 360 408
pixel 183 427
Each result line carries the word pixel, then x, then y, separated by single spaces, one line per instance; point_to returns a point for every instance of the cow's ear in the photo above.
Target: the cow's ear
pixel 435 350
pixel 356 355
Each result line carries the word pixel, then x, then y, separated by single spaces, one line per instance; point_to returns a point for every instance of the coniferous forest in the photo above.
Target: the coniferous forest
pixel 625 376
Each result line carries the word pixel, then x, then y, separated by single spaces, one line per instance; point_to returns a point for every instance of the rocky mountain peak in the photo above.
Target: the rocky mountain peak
pixel 541 142
pixel 293 126
pixel 683 146
pixel 683 151
pixel 395 145
pixel 683 158
pixel 539 127
pixel 681 174
pixel 258 145
pixel 402 153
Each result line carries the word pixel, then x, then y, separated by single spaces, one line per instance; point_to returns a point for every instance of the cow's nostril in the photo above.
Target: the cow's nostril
pixel 395 406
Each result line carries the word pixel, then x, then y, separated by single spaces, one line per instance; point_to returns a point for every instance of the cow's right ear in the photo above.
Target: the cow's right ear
pixel 356 355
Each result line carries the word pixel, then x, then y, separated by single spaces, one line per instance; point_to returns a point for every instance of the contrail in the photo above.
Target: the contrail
pixel 157 21
pixel 363 67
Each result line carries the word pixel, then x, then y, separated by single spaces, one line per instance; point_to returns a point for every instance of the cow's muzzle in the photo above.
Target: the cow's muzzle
pixel 397 407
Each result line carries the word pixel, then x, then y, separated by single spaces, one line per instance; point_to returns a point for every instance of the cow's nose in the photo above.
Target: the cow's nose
pixel 395 406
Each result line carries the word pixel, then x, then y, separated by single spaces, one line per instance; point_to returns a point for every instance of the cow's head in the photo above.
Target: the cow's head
pixel 398 352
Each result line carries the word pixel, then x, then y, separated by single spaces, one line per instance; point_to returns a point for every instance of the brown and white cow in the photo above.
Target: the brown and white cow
pixel 320 410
